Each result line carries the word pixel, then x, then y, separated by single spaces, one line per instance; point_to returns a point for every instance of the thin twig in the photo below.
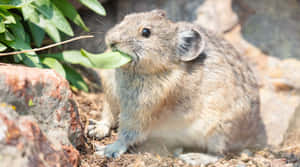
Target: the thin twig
pixel 48 46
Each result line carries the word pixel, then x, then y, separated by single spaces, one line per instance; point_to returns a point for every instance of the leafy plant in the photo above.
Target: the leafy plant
pixel 25 23
pixel 107 60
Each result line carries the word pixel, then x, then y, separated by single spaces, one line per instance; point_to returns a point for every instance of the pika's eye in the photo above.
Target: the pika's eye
pixel 146 32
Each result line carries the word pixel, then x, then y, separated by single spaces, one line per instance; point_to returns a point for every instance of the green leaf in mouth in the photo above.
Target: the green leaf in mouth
pixel 107 60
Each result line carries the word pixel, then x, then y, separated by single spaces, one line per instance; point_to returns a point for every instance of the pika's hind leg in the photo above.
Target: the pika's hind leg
pixel 102 128
pixel 198 158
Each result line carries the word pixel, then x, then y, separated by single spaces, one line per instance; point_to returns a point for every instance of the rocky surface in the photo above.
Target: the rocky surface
pixel 42 124
pixel 23 144
pixel 217 15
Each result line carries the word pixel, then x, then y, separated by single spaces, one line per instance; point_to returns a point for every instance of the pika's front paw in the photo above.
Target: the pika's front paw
pixel 98 129
pixel 115 150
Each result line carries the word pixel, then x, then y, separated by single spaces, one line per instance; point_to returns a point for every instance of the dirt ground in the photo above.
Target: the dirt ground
pixel 90 106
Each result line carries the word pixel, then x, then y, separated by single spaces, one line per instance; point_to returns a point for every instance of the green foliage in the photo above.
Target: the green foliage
pixel 24 24
pixel 107 60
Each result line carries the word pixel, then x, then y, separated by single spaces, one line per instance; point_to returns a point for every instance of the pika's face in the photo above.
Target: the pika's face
pixel 155 43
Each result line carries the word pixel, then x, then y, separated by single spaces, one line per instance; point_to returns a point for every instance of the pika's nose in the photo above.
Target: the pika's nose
pixel 112 39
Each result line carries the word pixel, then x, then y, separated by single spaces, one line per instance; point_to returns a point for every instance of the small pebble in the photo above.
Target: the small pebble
pixel 241 165
pixel 244 157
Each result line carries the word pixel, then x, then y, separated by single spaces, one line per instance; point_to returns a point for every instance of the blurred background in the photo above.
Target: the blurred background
pixel 273 26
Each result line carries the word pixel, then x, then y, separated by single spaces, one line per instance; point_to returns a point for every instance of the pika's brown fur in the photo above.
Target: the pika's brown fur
pixel 185 87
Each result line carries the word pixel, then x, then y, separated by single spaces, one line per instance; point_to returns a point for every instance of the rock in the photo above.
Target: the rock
pixel 23 144
pixel 290 68
pixel 43 106
pixel 277 109
pixel 217 15
pixel 271 25
pixel 292 136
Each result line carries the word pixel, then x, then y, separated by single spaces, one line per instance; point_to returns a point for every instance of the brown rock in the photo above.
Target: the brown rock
pixel 22 143
pixel 277 109
pixel 43 96
pixel 217 15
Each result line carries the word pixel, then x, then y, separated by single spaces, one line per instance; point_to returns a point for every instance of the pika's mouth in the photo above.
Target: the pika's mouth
pixel 133 56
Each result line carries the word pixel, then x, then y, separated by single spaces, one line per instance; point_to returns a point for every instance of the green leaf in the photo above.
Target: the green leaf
pixel 37 33
pixel 9 4
pixel 8 36
pixel 72 56
pixel 18 58
pixel 2 26
pixel 18 44
pixel 54 15
pixel 31 60
pixel 50 29
pixel 70 12
pixel 27 37
pixel 44 7
pixel 94 5
pixel 30 103
pixel 30 14
pixel 75 78
pixel 55 65
pixel 18 30
pixel 2 47
pixel 107 60
pixel 8 17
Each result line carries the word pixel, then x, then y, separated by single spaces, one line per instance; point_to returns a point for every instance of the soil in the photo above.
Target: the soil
pixel 90 107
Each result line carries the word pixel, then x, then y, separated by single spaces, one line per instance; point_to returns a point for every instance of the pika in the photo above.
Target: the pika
pixel 186 89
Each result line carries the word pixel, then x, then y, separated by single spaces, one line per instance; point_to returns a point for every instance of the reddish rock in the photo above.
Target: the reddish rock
pixel 53 127
pixel 22 141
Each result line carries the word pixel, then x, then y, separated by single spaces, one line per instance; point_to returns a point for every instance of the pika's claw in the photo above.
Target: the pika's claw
pixel 97 129
pixel 115 150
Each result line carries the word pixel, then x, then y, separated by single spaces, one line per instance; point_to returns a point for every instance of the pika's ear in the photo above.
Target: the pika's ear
pixel 190 44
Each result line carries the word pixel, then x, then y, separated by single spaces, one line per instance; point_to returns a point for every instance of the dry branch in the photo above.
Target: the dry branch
pixel 48 46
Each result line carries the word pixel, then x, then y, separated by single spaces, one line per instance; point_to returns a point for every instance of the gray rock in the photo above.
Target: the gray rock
pixel 272 25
